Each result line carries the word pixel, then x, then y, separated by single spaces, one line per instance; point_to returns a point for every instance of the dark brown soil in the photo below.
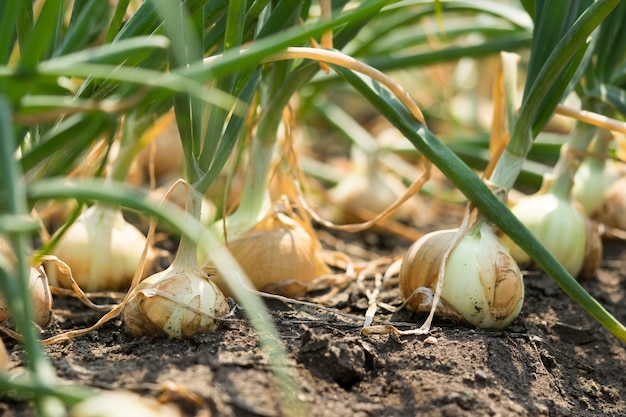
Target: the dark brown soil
pixel 553 361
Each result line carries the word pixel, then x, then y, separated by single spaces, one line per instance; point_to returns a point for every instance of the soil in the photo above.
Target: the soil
pixel 553 361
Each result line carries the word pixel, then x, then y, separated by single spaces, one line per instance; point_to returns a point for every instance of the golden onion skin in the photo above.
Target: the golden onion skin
pixel 613 210
pixel 482 283
pixel 279 255
pixel 4 358
pixel 593 251
pixel 168 303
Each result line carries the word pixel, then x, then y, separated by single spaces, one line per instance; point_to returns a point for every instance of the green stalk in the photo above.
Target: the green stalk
pixel 116 20
pixel 128 147
pixel 14 283
pixel 561 180
pixel 510 163
pixel 8 15
pixel 255 196
pixel 187 254
pixel 40 41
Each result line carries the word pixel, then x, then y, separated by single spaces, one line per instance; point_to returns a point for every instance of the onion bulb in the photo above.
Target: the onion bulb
pixel 562 229
pixel 179 301
pixel 102 249
pixel 613 210
pixel 166 152
pixel 41 298
pixel 482 284
pixel 590 185
pixel 122 404
pixel 39 289
pixel 280 254
pixel 368 190
pixel 4 358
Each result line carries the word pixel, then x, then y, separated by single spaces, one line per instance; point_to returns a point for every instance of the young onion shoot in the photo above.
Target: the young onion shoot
pixel 590 185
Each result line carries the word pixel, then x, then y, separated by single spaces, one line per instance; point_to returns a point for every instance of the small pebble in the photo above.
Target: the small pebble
pixel 430 340
pixel 481 376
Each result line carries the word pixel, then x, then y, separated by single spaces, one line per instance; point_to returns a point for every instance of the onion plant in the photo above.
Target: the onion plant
pixel 552 211
pixel 557 52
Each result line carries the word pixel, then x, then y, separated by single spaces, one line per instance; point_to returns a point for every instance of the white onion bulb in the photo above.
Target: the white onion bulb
pixel 102 250
pixel 39 289
pixel 590 185
pixel 564 231
pixel 41 297
pixel 482 284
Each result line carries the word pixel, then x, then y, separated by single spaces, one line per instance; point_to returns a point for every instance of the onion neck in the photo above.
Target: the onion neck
pixel 569 160
pixel 254 200
pixel 186 256
pixel 507 169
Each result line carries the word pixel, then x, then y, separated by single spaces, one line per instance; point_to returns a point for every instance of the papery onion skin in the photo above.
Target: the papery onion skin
pixel 4 358
pixel 275 252
pixel 41 296
pixel 102 250
pixel 482 284
pixel 150 311
pixel 612 213
pixel 354 194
